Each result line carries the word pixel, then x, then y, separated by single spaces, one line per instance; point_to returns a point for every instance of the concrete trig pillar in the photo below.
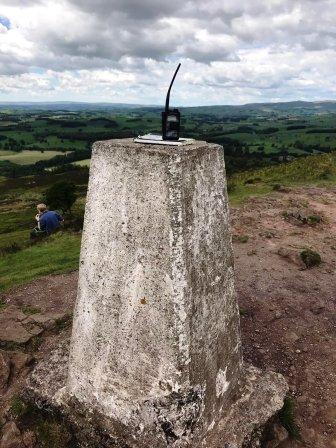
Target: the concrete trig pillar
pixel 155 342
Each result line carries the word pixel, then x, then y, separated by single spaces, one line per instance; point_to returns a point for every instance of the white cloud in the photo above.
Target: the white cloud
pixel 126 50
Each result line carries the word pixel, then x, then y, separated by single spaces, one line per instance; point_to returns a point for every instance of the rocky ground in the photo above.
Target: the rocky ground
pixel 287 312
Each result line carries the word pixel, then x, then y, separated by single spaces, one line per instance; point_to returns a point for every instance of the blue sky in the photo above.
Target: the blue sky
pixel 5 22
pixel 126 51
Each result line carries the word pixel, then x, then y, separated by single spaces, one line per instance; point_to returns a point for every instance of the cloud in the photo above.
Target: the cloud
pixel 232 51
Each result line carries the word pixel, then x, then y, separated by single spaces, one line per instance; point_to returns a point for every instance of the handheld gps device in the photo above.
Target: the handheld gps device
pixel 171 117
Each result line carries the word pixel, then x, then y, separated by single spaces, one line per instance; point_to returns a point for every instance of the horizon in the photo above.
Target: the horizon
pixel 160 105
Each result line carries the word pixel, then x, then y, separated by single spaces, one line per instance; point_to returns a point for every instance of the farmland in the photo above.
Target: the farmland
pixel 264 146
pixel 27 157
pixel 252 135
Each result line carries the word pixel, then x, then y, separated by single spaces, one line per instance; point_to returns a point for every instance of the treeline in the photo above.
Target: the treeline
pixel 238 156
pixel 6 117
pixel 106 122
pixel 295 127
pixel 11 144
pixel 12 170
pixel 322 131
pixel 89 137
pixel 66 123
pixel 17 127
pixel 312 148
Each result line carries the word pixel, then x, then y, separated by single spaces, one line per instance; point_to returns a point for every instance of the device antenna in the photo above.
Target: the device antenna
pixel 172 81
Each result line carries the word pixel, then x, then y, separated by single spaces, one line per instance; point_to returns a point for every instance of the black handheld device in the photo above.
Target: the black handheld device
pixel 171 117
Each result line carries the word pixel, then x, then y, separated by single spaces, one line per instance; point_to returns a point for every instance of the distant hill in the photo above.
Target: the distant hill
pixel 285 108
pixel 67 106
pixel 282 108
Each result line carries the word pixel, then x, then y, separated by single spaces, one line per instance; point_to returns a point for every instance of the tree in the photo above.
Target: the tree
pixel 61 196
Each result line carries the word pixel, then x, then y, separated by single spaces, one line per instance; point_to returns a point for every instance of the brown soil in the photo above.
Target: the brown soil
pixel 287 311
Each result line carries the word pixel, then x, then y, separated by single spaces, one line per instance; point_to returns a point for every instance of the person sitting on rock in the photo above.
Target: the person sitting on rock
pixel 48 222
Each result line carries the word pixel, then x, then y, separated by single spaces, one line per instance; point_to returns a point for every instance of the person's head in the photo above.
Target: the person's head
pixel 41 208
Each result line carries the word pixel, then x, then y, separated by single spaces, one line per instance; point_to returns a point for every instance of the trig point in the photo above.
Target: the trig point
pixel 155 358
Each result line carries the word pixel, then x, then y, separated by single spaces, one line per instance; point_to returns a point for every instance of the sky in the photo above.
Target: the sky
pixel 125 51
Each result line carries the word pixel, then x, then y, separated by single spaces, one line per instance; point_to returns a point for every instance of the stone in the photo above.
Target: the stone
pixel 46 321
pixel 35 330
pixel 278 314
pixel 279 435
pixel 13 332
pixel 11 327
pixel 36 323
pixel 291 337
pixel 11 436
pixel 29 439
pixel 17 328
pixel 155 356
pixel 20 360
pixel 12 312
pixel 291 255
pixel 317 309
pixel 4 370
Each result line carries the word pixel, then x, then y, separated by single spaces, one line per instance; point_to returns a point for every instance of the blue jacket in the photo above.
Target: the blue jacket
pixel 50 221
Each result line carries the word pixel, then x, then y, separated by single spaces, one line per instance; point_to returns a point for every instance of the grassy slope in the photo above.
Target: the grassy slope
pixel 60 253
pixel 57 255
pixel 312 170
pixel 15 223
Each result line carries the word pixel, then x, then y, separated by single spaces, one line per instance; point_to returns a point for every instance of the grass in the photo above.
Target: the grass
pixel 27 157
pixel 16 220
pixel 2 305
pixel 18 237
pixel 311 170
pixel 287 418
pixel 240 238
pixel 85 162
pixel 18 407
pixel 310 258
pixel 58 254
pixel 50 432
pixel 30 310
pixel 6 153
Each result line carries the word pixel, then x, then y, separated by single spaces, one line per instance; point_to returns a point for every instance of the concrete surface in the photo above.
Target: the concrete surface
pixel 247 420
pixel 156 313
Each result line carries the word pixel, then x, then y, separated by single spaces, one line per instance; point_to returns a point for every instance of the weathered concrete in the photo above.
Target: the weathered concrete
pixel 155 356
pixel 258 397
pixel 156 313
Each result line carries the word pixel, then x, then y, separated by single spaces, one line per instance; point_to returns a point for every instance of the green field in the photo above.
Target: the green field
pixel 6 153
pixel 252 135
pixel 27 157
pixel 85 162
pixel 265 146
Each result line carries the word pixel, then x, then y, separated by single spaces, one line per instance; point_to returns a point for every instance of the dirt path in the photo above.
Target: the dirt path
pixel 287 312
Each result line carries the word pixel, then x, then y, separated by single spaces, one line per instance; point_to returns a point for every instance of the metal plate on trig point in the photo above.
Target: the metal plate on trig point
pixel 153 139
